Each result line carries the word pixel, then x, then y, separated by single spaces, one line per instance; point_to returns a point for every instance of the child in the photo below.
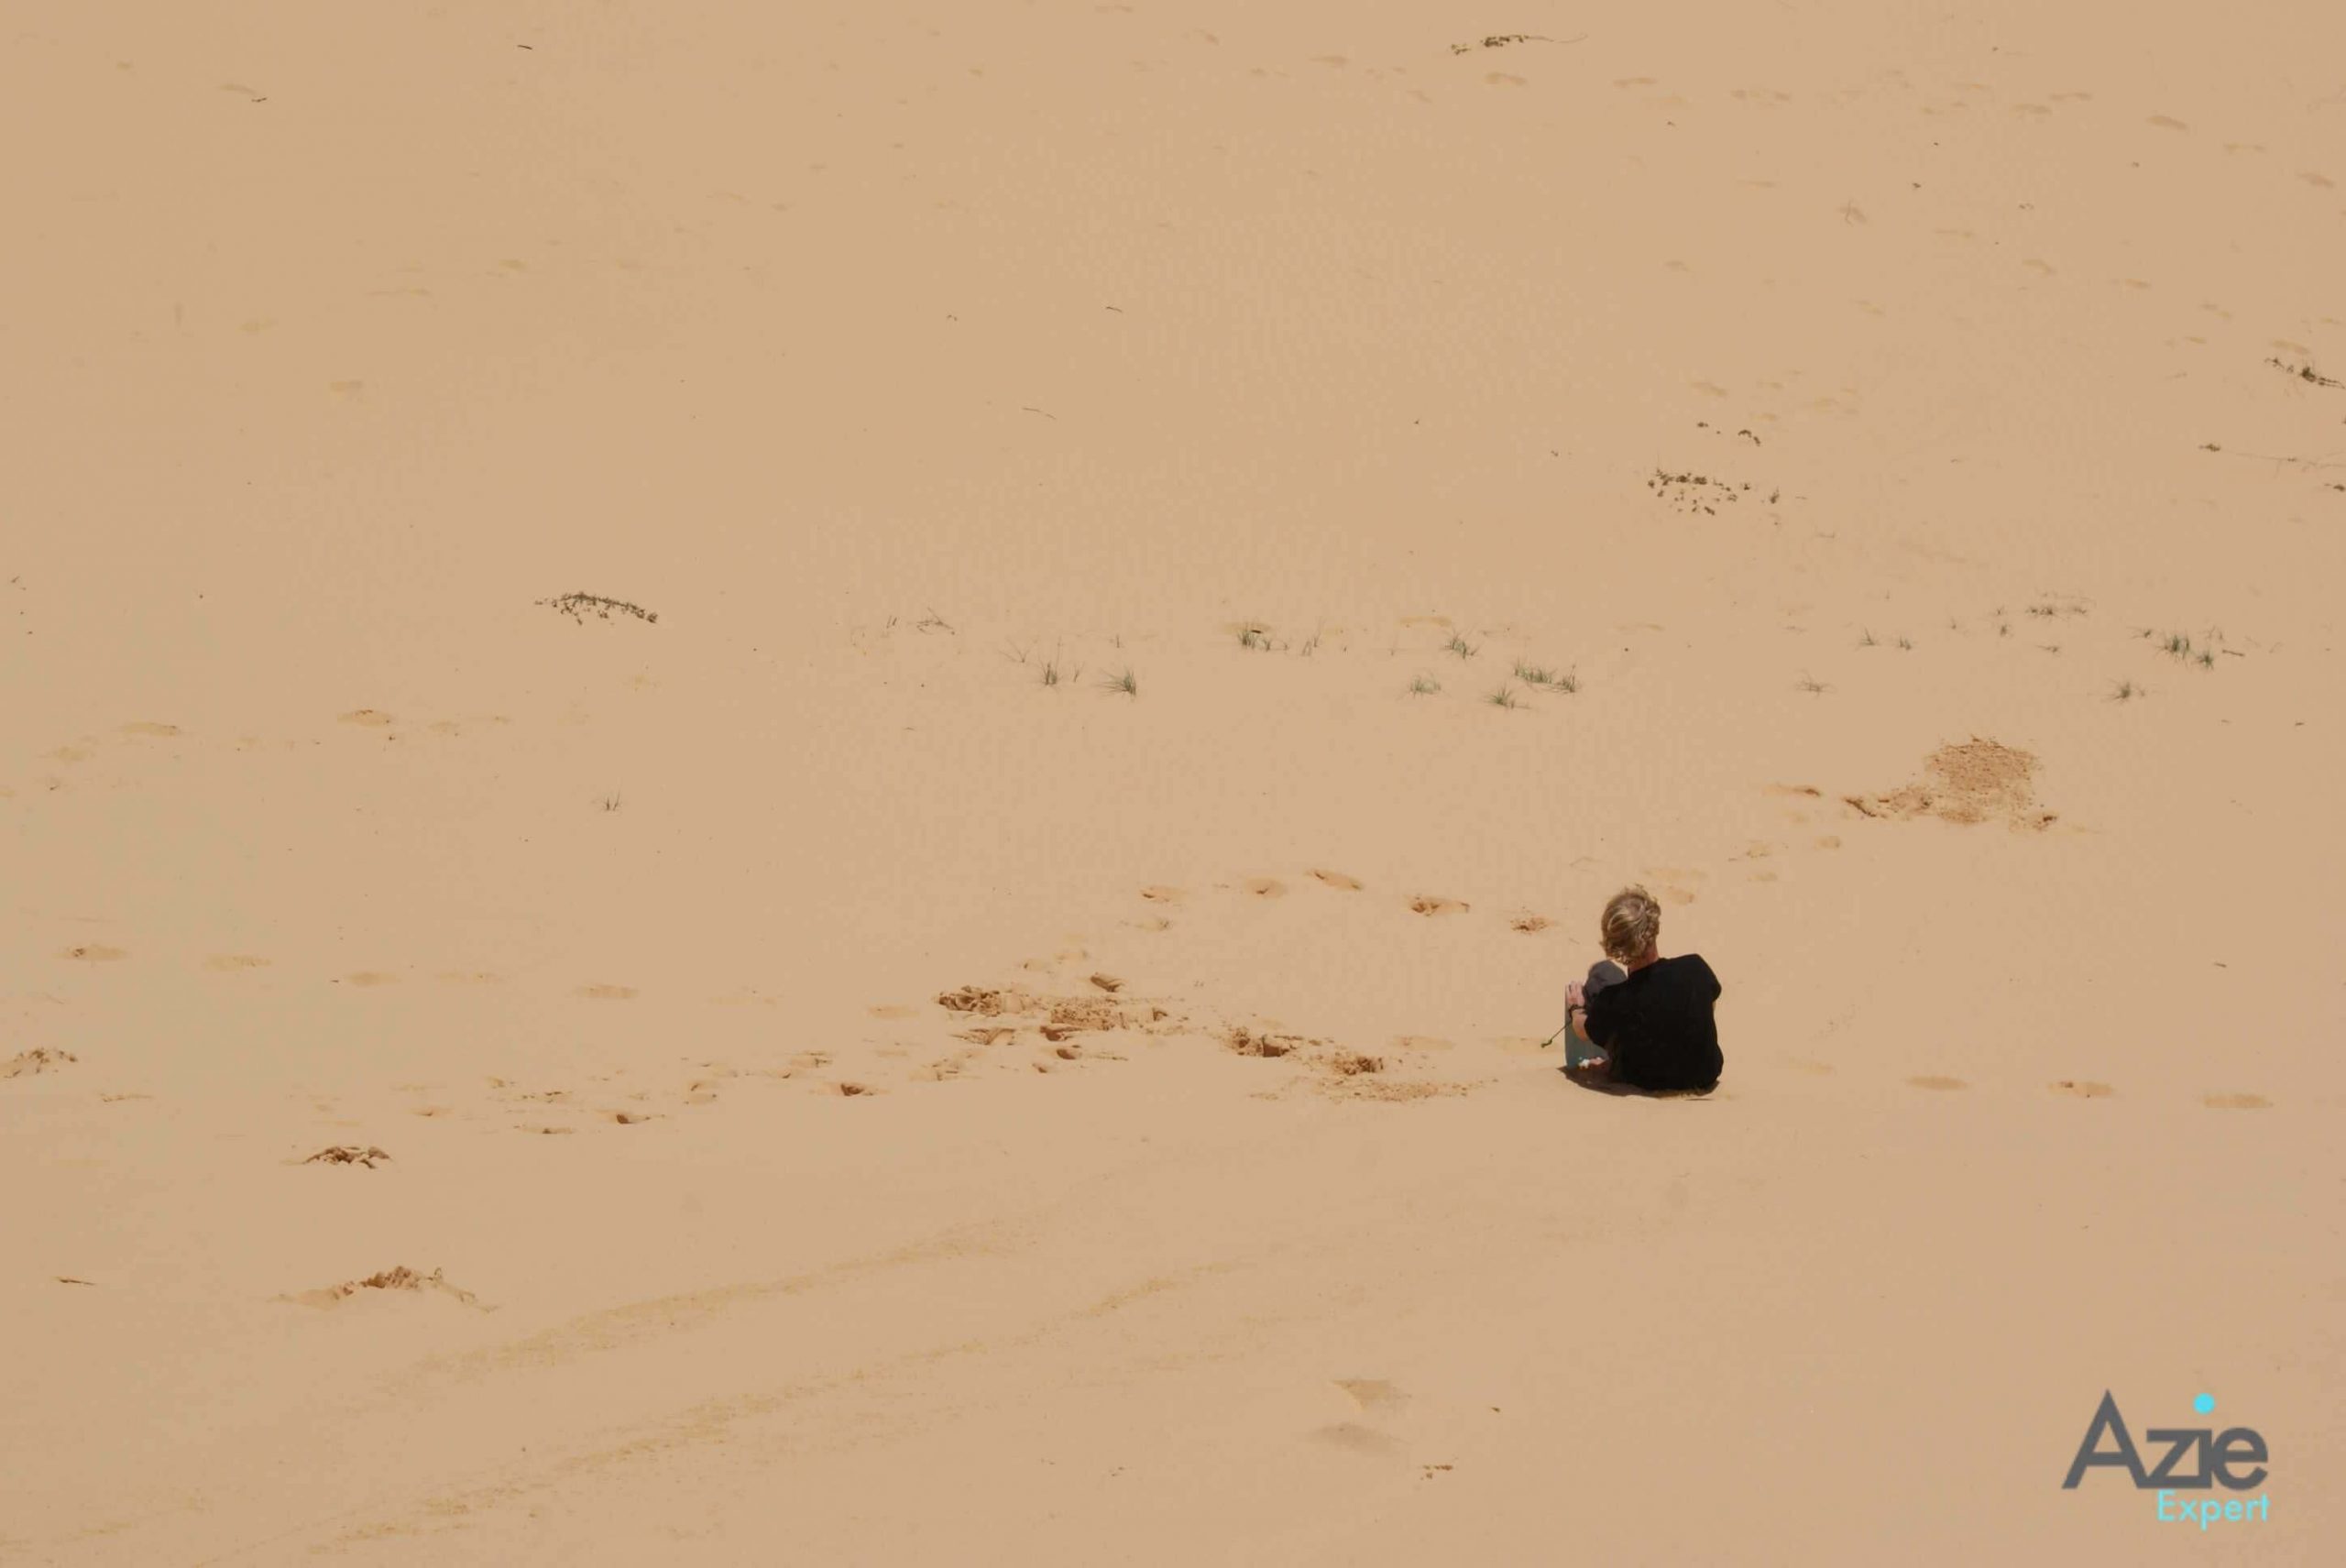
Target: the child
pixel 1652 1016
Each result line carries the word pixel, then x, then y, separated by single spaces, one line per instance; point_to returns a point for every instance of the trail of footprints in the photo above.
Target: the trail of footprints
pixel 1071 1031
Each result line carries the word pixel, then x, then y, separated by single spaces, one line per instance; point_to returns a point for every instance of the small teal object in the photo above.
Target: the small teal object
pixel 2204 1403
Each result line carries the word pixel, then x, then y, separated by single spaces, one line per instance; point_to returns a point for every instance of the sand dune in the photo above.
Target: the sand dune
pixel 804 785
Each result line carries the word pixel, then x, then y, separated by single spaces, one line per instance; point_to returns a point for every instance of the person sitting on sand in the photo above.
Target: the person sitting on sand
pixel 1651 1015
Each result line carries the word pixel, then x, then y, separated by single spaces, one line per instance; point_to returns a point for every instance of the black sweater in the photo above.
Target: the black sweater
pixel 1656 1027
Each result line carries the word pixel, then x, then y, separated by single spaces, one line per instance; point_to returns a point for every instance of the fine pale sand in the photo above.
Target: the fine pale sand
pixel 794 1057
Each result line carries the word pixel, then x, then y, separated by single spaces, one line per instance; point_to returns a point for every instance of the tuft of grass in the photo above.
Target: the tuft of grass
pixel 2206 659
pixel 2127 691
pixel 1866 639
pixel 1055 674
pixel 1255 637
pixel 1504 698
pixel 1812 687
pixel 932 621
pixel 1906 644
pixel 1424 686
pixel 611 801
pixel 1459 646
pixel 1122 682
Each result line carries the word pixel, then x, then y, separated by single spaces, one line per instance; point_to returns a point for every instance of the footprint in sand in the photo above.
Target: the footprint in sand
pixel 607 992
pixel 1266 887
pixel 1338 880
pixel 1372 1392
pixel 1932 1080
pixel 145 727
pixel 92 953
pixel 1357 1438
pixel 228 963
pixel 2083 1088
pixel 2235 1103
pixel 1160 894
pixel 1531 923
pixel 367 977
pixel 1428 903
pixel 893 1009
pixel 367 717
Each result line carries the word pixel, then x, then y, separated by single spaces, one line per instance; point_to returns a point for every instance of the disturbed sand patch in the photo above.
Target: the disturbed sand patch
pixel 398 1278
pixel 40 1058
pixel 348 1154
pixel 1966 783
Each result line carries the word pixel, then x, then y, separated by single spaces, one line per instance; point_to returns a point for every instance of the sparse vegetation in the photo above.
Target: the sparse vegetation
pixel 2126 691
pixel 2305 373
pixel 1122 681
pixel 578 607
pixel 1424 686
pixel 2178 645
pixel 1056 674
pixel 1906 644
pixel 1812 687
pixel 1459 646
pixel 611 801
pixel 1693 492
pixel 1546 677
pixel 1866 639
pixel 1257 638
pixel 1500 40
pixel 1504 698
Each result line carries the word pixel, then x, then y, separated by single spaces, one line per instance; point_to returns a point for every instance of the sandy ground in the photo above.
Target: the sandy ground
pixel 1913 438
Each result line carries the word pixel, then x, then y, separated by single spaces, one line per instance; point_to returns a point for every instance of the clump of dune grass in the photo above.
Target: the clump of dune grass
pixel 611 801
pixel 1504 698
pixel 1906 644
pixel 1459 646
pixel 1424 686
pixel 1812 687
pixel 1122 681
pixel 1056 674
pixel 1866 639
pixel 1546 677
pixel 1257 638
pixel 2178 646
pixel 2127 691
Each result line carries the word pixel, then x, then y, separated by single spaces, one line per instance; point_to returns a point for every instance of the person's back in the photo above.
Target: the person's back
pixel 1656 1027
pixel 1649 1015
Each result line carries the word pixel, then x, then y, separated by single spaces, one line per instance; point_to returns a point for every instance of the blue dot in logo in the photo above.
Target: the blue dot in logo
pixel 2204 1403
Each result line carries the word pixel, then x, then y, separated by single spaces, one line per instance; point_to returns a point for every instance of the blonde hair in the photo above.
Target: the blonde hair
pixel 1632 921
